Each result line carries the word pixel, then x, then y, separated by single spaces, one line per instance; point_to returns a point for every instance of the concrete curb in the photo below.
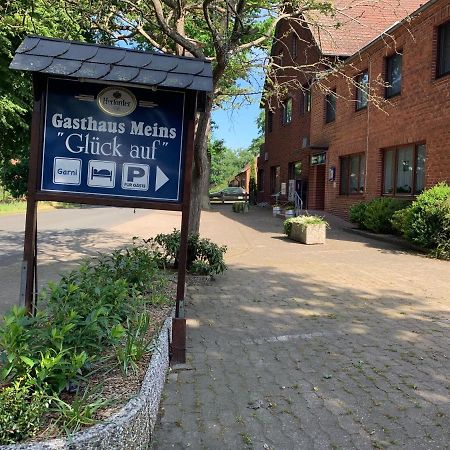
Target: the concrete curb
pixel 132 426
pixel 388 238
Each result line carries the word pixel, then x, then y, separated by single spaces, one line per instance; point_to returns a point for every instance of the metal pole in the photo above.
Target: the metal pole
pixel 179 322
pixel 27 291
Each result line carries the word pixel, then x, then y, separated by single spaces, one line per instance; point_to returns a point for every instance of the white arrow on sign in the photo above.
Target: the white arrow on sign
pixel 161 178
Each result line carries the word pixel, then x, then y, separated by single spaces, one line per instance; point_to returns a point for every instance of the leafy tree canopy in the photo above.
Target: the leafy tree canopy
pixel 19 18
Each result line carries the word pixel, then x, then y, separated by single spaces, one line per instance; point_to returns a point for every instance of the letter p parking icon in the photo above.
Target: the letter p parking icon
pixel 135 177
pixel 134 172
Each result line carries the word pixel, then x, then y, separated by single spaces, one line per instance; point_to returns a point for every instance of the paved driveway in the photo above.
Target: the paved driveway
pixel 339 346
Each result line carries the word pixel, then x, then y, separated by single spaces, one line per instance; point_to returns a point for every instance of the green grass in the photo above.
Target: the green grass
pixel 20 206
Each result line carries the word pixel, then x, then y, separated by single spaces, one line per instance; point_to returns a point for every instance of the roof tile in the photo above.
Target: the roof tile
pixel 356 23
pixel 96 62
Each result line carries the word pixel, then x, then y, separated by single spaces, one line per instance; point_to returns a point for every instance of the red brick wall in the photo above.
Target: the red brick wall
pixel 284 144
pixel 420 114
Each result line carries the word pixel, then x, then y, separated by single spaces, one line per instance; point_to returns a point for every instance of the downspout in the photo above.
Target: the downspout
pixel 368 128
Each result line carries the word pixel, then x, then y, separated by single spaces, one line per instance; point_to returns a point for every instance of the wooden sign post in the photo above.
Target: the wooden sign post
pixel 113 127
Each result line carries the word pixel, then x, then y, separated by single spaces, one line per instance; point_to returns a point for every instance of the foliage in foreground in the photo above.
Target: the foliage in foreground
pixel 97 310
pixel 376 215
pixel 204 256
pixel 427 221
pixel 21 410
pixel 303 221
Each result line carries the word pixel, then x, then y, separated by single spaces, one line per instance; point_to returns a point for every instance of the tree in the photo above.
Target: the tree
pixel 233 34
pixel 17 19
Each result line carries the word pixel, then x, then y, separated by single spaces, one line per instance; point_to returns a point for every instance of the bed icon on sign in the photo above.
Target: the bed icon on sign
pixel 101 174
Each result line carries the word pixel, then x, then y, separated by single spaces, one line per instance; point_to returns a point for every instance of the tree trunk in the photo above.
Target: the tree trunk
pixel 200 169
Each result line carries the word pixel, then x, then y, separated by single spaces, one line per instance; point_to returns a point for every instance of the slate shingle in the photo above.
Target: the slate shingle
pixel 96 62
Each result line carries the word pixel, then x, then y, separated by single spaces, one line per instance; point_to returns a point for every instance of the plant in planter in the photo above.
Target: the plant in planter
pixel 276 209
pixel 240 207
pixel 289 210
pixel 306 229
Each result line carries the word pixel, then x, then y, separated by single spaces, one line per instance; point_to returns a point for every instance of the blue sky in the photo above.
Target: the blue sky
pixel 236 127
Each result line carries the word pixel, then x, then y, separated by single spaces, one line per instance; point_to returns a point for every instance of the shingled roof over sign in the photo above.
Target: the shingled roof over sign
pixel 111 64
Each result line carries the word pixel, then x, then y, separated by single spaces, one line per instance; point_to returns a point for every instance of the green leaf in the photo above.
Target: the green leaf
pixel 28 361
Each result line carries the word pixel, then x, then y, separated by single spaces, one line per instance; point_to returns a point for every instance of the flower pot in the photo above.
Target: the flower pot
pixel 309 234
pixel 276 210
pixel 288 213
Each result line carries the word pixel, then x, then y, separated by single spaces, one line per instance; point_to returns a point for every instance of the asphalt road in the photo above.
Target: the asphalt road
pixel 65 236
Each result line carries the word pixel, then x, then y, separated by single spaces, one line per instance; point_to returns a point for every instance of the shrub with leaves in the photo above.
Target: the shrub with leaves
pixel 21 410
pixel 427 221
pixel 240 207
pixel 379 212
pixel 357 213
pixel 204 256
pixel 102 305
pixel 376 214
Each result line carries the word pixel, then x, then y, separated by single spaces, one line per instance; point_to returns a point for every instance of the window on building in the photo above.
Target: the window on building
pixel 261 180
pixel 287 111
pixel 269 121
pixel 404 170
pixel 295 170
pixel 330 107
pixel 393 75
pixel 280 58
pixel 352 174
pixel 275 183
pixel 443 59
pixel 362 90
pixel 294 46
pixel 306 99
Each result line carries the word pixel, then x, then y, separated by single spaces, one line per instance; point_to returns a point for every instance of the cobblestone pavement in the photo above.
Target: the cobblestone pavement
pixel 339 346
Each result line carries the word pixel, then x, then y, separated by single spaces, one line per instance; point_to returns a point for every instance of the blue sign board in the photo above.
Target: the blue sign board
pixel 113 141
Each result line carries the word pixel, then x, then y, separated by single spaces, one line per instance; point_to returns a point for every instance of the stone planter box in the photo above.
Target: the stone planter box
pixel 132 426
pixel 308 234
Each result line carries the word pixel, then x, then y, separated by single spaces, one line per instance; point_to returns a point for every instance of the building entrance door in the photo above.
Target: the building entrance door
pixel 301 187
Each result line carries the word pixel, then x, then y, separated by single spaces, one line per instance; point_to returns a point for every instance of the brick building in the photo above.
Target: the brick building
pixel 381 126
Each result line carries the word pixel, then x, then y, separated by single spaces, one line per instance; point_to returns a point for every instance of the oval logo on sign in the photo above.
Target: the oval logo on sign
pixel 116 101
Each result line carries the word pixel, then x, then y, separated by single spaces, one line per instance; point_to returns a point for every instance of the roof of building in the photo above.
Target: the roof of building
pixel 356 23
pixel 111 64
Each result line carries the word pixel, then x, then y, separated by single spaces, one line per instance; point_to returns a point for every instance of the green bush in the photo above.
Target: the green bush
pixel 427 222
pixel 21 410
pixel 400 220
pixel 240 207
pixel 204 256
pixel 357 213
pixel 376 214
pixel 102 305
pixel 302 221
pixel 379 212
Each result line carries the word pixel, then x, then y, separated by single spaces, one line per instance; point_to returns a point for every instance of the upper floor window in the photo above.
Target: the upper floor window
pixel 443 60
pixel 280 58
pixel 294 46
pixel 269 121
pixel 306 101
pixel 287 111
pixel 330 106
pixel 404 170
pixel 352 174
pixel 362 90
pixel 393 75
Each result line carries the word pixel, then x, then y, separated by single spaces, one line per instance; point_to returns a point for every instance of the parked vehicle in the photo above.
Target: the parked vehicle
pixel 230 193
